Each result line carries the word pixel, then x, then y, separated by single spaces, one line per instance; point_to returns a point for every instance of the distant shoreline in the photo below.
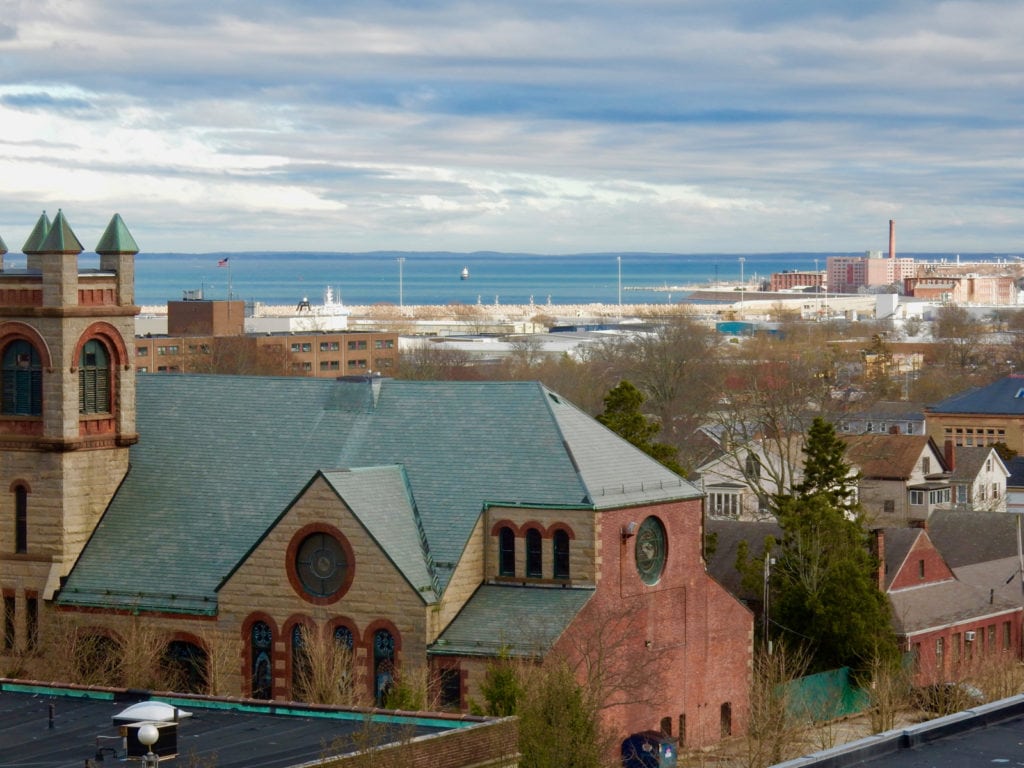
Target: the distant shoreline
pixel 711 303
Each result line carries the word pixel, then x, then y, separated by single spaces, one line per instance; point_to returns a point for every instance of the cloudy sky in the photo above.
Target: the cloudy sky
pixel 533 125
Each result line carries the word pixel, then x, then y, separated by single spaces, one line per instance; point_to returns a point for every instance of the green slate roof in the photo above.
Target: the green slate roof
pixel 220 457
pixel 38 235
pixel 60 238
pixel 116 238
pixel 523 621
pixel 380 497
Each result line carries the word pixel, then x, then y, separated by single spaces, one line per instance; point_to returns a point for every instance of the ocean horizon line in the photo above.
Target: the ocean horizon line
pixel 262 253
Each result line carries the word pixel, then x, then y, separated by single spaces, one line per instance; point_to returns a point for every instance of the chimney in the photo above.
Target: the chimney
pixel 880 554
pixel 892 238
pixel 950 455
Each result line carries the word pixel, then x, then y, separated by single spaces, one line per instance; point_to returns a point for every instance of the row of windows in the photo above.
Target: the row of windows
pixel 334 346
pixel 534 553
pixel 724 504
pixel 937 496
pixel 325 346
pixel 10 639
pixel 724 724
pixel 963 646
pixel 21 379
pixel 970 436
pixel 261 663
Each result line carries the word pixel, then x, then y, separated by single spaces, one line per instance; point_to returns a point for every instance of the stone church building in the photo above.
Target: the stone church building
pixel 427 526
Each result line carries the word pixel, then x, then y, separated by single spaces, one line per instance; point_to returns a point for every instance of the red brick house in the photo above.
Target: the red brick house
pixel 949 625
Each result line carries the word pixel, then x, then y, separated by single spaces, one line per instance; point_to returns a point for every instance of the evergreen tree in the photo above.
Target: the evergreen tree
pixel 824 585
pixel 623 415
pixel 826 470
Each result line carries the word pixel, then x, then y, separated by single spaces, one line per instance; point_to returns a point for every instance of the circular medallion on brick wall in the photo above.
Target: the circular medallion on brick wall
pixel 651 550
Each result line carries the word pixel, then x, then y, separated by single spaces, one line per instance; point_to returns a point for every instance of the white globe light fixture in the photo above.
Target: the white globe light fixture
pixel 148 735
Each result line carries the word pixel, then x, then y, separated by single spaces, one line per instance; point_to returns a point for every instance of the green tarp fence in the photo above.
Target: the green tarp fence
pixel 825 696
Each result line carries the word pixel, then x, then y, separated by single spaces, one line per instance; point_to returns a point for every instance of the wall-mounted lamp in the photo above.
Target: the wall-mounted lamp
pixel 629 530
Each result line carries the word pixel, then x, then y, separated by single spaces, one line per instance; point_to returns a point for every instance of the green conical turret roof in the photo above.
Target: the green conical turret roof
pixel 60 238
pixel 39 233
pixel 3 247
pixel 116 238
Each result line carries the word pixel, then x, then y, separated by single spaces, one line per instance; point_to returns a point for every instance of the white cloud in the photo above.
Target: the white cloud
pixel 725 126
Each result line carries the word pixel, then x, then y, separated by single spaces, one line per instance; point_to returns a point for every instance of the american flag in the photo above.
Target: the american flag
pixel 223 262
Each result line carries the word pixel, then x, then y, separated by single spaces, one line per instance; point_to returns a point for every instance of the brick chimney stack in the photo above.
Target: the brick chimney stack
pixel 950 455
pixel 892 238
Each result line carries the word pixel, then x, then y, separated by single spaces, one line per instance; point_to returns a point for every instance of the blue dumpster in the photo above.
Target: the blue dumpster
pixel 649 749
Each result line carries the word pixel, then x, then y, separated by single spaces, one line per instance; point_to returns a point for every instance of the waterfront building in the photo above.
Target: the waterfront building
pixel 850 274
pixel 793 279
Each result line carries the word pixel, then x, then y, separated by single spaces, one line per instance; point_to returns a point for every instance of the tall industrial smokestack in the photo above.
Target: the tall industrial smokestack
pixel 892 238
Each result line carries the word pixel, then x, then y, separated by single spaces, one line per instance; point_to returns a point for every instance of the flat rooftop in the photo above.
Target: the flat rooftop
pixel 225 733
pixel 990 734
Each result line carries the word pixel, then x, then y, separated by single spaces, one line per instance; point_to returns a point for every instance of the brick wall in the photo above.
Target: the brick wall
pixel 677 651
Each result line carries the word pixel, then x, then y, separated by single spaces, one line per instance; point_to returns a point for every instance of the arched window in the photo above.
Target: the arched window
pixel 300 662
pixel 343 637
pixel 22 380
pixel 383 664
pixel 534 557
pixel 185 665
pixel 506 552
pixel 261 640
pixel 561 552
pixel 20 519
pixel 94 379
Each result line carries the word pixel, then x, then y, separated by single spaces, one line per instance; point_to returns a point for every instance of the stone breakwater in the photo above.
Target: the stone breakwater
pixel 490 311
pixel 752 305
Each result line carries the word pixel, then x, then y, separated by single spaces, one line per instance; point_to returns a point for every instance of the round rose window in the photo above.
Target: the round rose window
pixel 651 549
pixel 321 564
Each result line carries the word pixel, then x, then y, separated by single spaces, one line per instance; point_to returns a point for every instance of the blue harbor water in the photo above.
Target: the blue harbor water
pixel 435 278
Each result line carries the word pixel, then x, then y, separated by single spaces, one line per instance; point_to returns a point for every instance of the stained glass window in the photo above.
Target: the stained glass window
pixel 261 645
pixel 534 554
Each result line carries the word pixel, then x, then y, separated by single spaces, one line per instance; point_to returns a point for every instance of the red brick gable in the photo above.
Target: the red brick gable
pixel 922 564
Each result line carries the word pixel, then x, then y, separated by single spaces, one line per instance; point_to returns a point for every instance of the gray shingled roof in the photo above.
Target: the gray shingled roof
pixel 727 535
pixel 220 457
pixel 969 462
pixel 524 621
pixel 1005 396
pixel 965 538
pixel 935 605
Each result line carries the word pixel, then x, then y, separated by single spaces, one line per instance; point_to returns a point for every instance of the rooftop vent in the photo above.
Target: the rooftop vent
pixel 150 712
